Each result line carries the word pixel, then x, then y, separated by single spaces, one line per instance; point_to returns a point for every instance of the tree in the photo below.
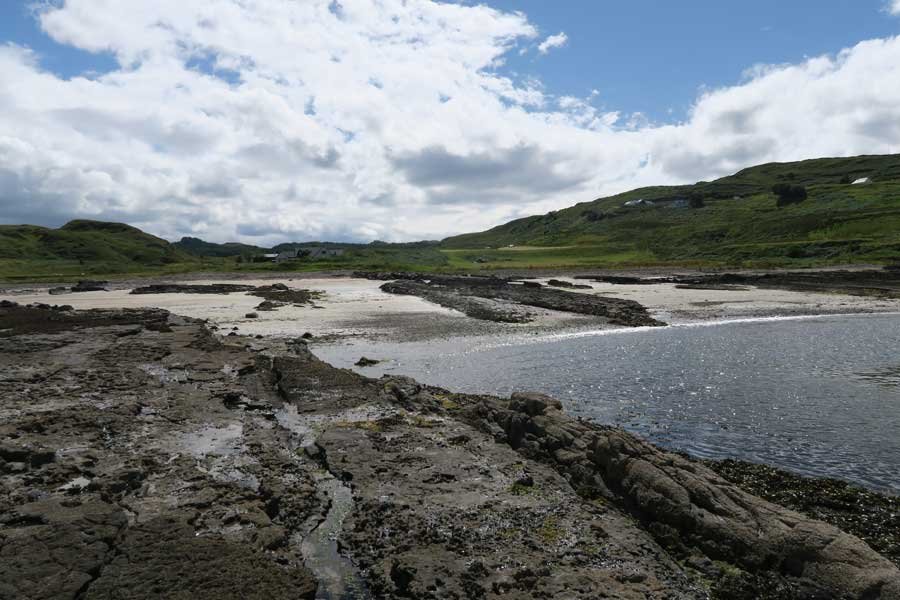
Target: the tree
pixel 789 194
pixel 846 180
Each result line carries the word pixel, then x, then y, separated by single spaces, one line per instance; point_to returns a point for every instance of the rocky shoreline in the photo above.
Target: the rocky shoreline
pixel 504 300
pixel 145 456
pixel 882 283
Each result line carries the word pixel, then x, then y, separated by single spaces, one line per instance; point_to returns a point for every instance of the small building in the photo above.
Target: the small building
pixel 315 252
pixel 286 255
pixel 638 202
pixel 862 181
pixel 309 253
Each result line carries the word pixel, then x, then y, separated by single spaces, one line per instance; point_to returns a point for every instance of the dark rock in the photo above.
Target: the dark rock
pixel 89 285
pixel 366 362
pixel 175 288
pixel 525 480
pixel 533 403
pixel 469 295
pixel 251 315
pixel 59 290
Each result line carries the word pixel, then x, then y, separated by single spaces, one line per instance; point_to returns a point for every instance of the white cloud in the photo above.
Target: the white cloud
pixel 894 7
pixel 555 41
pixel 380 120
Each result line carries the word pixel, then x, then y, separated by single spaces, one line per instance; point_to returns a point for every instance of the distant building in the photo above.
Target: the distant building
pixel 862 181
pixel 309 252
pixel 321 252
pixel 286 256
pixel 638 202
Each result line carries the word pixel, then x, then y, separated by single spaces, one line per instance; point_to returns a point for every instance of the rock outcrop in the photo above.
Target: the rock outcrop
pixel 143 455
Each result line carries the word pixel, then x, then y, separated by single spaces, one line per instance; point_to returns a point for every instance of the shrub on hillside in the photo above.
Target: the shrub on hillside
pixel 789 194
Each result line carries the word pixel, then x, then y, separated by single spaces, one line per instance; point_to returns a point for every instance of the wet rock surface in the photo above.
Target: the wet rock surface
pixel 274 295
pixel 144 456
pixel 90 285
pixel 873 517
pixel 189 288
pixel 883 283
pixel 496 299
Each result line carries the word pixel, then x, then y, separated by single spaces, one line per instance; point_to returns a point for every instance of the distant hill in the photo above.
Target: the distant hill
pixel 87 242
pixel 197 247
pixel 732 220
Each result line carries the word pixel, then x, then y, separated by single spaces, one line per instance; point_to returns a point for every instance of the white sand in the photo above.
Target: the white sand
pixel 356 307
pixel 674 305
pixel 346 308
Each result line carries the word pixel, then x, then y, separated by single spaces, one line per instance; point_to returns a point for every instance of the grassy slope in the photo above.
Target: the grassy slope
pixel 198 247
pixel 91 249
pixel 739 224
pixel 839 223
pixel 84 248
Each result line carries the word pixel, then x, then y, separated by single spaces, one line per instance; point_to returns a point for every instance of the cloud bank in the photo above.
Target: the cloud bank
pixel 263 121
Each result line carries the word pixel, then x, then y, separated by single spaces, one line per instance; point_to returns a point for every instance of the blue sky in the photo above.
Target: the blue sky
pixel 391 119
pixel 652 56
pixel 643 56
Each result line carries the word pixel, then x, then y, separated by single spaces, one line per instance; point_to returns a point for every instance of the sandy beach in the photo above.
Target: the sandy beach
pixel 352 308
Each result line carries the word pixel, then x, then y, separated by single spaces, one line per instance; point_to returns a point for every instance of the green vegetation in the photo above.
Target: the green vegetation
pixel 84 248
pixel 756 218
pixel 734 221
pixel 197 247
pixel 93 249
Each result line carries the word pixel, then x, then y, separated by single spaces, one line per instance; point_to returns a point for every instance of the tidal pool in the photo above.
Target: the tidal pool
pixel 817 395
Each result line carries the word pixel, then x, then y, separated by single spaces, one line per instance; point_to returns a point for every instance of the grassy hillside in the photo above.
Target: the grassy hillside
pixel 92 249
pixel 739 223
pixel 197 247
pixel 733 221
pixel 83 248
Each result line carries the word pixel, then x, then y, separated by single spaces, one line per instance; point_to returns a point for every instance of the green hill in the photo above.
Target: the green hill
pixel 197 247
pixel 82 247
pixel 86 241
pixel 733 221
pixel 738 223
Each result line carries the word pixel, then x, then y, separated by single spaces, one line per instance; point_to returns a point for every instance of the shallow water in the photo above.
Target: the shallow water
pixel 817 395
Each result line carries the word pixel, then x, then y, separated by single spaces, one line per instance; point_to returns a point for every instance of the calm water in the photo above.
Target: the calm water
pixel 819 396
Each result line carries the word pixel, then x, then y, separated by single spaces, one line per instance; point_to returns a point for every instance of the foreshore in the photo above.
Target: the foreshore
pixel 137 439
pixel 352 307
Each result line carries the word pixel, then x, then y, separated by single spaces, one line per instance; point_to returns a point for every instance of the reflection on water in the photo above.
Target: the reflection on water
pixel 820 396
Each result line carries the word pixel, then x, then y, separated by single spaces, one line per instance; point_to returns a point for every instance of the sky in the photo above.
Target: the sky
pixel 265 121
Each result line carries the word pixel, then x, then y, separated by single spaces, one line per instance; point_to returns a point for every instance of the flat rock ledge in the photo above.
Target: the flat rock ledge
pixel 495 299
pixel 143 456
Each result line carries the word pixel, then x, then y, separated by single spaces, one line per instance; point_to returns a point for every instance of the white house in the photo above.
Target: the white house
pixel 862 181
pixel 639 202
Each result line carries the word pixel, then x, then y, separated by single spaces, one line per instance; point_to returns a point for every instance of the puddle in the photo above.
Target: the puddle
pixel 214 441
pixel 337 575
pixel 164 374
